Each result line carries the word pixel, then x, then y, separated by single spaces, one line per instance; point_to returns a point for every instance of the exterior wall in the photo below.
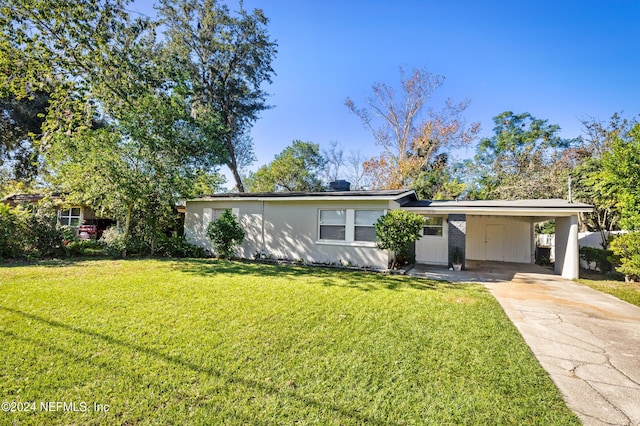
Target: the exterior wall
pixel 432 249
pixel 287 230
pixel 500 238
pixel 197 219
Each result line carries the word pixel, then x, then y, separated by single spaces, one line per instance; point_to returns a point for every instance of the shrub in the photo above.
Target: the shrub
pixel 136 246
pixel 11 232
pixel 77 247
pixel 626 248
pixel 598 256
pixel 178 246
pixel 113 242
pixel 225 234
pixel 396 231
pixel 43 236
pixel 33 234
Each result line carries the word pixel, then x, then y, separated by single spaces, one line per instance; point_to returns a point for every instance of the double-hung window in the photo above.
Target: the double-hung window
pixel 348 225
pixel 70 217
pixel 433 226
pixel 365 229
pixel 333 225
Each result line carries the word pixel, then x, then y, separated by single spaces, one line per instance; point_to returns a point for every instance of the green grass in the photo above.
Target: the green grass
pixel 206 342
pixel 614 285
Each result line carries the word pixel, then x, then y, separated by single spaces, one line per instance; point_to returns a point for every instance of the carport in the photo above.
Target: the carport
pixel 497 230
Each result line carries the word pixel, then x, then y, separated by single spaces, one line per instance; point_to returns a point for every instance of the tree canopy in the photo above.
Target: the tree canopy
pixel 227 60
pixel 297 168
pixel 588 184
pixel 99 64
pixel 523 159
pixel 21 122
pixel 409 138
pixel 621 173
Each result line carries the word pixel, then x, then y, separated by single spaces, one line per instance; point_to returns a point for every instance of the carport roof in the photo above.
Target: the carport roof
pixel 550 207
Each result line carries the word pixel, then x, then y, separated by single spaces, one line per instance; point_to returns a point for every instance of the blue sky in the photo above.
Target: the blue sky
pixel 559 60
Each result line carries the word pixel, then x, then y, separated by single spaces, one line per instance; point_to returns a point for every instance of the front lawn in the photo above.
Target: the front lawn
pixel 629 292
pixel 206 342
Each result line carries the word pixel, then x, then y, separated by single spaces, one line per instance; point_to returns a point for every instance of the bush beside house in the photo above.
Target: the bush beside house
pixel 626 249
pixel 397 231
pixel 226 234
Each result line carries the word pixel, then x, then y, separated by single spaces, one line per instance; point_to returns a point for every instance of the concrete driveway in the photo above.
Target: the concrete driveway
pixel 588 341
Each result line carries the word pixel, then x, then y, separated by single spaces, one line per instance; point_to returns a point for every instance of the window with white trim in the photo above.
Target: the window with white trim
pixel 209 214
pixel 348 225
pixel 333 225
pixel 433 226
pixel 70 216
pixel 365 228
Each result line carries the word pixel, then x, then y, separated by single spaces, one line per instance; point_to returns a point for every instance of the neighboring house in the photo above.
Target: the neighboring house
pixel 81 218
pixel 338 226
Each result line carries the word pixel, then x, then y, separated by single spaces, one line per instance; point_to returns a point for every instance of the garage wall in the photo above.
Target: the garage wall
pixel 500 238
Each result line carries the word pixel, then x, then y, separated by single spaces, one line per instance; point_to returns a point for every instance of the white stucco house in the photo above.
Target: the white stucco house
pixel 339 226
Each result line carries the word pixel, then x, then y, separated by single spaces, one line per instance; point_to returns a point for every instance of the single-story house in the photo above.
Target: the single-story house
pixel 78 217
pixel 338 226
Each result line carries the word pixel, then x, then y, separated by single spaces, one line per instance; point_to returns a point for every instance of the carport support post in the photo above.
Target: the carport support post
pixel 567 253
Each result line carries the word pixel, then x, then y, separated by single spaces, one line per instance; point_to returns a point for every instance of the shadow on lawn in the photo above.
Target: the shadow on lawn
pixel 230 379
pixel 365 281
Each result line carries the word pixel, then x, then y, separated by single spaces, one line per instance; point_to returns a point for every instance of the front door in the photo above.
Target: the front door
pixel 494 238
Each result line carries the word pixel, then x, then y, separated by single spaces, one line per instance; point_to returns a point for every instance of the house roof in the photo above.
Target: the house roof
pixel 408 200
pixel 295 196
pixel 15 199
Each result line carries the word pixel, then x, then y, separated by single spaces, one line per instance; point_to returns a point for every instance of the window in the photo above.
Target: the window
pixel 209 215
pixel 70 217
pixel 348 225
pixel 365 220
pixel 433 226
pixel 333 224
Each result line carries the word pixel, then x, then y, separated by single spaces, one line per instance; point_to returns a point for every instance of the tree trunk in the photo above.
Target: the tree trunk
pixel 233 163
pixel 236 177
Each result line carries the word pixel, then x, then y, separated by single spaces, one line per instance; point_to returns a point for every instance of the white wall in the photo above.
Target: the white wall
pixel 287 230
pixel 197 218
pixel 593 239
pixel 434 249
pixel 500 238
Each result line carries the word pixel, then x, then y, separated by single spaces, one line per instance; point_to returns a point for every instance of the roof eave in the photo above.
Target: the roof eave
pixel 345 197
pixel 503 211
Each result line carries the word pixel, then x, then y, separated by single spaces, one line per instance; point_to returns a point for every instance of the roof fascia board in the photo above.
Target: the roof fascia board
pixel 502 211
pixel 310 198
